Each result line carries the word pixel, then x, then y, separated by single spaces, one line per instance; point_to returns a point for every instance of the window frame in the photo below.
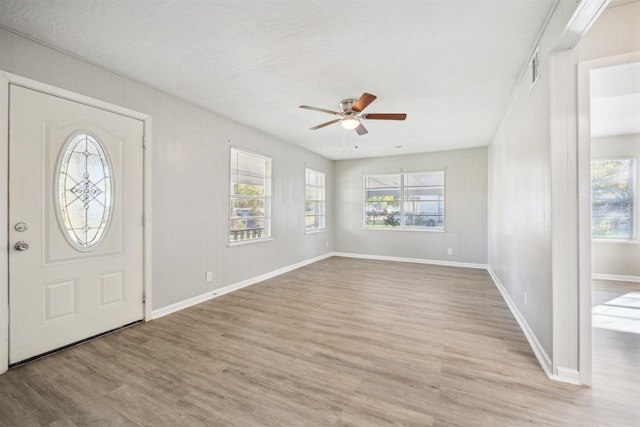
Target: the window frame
pixel 632 238
pixel 403 200
pixel 323 200
pixel 266 198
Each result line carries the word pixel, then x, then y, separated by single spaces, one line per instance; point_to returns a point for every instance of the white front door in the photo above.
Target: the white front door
pixel 75 222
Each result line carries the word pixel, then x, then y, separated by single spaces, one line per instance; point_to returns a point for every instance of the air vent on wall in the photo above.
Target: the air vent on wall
pixel 534 68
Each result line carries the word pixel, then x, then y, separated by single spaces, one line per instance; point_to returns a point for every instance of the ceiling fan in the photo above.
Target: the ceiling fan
pixel 350 114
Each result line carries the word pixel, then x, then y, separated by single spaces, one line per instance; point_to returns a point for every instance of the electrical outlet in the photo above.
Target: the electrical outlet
pixel 450 251
pixel 326 244
pixel 209 276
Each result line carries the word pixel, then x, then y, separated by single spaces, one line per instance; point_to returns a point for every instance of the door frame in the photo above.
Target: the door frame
pixel 5 80
pixel 584 208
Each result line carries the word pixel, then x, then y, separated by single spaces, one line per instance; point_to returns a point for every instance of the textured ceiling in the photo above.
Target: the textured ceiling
pixel 451 65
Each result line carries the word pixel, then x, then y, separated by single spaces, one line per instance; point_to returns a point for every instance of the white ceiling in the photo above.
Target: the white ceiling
pixel 615 100
pixel 451 65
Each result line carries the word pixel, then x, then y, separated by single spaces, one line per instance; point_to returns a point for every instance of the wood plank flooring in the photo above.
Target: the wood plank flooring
pixel 616 355
pixel 342 342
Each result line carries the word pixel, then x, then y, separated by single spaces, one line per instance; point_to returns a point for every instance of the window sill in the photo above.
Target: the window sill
pixel 419 230
pixel 248 242
pixel 315 231
pixel 620 241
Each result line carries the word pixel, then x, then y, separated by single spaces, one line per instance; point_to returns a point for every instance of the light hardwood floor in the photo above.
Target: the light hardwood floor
pixel 338 342
pixel 616 355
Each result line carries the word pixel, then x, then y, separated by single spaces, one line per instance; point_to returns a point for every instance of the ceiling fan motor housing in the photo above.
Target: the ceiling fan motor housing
pixel 347 104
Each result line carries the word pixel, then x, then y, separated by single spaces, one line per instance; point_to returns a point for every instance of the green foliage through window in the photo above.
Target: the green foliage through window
pixel 250 196
pixel 408 200
pixel 314 209
pixel 612 199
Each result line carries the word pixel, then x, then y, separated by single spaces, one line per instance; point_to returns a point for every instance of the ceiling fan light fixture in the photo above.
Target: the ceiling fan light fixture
pixel 350 123
pixel 350 115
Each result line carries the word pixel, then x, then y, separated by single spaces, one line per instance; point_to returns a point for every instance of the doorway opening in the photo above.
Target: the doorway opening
pixel 614 105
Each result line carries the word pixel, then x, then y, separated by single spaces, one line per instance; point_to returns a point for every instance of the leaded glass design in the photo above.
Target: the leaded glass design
pixel 85 190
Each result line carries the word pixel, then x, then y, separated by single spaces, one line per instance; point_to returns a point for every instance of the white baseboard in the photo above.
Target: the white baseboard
pixel 616 277
pixel 164 311
pixel 566 375
pixel 413 260
pixel 538 351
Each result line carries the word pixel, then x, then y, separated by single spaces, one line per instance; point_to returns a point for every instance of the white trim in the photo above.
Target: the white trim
pixel 164 311
pixel 320 230
pixel 538 350
pixel 413 260
pixel 5 80
pixel 248 241
pixel 71 96
pixel 147 221
pixel 584 205
pixel 4 222
pixel 404 229
pixel 633 241
pixel 564 210
pixel 566 375
pixel 616 277
pixel 583 18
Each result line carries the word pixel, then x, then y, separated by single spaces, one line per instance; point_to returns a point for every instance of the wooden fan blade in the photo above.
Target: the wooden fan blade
pixel 383 116
pixel 361 129
pixel 363 102
pixel 322 110
pixel 325 124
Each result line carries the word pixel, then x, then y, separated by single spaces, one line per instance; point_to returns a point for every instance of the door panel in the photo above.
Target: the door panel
pixel 60 291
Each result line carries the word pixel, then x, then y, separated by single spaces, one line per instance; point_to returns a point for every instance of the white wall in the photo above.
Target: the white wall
pixel 523 253
pixel 614 257
pixel 191 178
pixel 465 208
pixel 616 32
pixel 519 225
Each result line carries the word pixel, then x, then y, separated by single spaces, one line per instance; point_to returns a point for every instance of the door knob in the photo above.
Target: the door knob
pixel 21 246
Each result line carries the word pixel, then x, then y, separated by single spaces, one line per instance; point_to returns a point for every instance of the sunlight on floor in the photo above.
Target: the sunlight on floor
pixel 620 314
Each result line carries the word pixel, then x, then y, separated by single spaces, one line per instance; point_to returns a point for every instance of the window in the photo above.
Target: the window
pixel 405 200
pixel 250 196
pixel 85 194
pixel 314 201
pixel 612 199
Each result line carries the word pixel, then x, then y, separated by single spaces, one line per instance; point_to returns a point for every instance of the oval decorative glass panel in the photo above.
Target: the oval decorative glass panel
pixel 85 193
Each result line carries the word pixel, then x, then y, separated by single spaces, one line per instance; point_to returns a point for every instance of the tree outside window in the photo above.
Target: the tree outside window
pixel 314 211
pixel 250 196
pixel 405 200
pixel 613 199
